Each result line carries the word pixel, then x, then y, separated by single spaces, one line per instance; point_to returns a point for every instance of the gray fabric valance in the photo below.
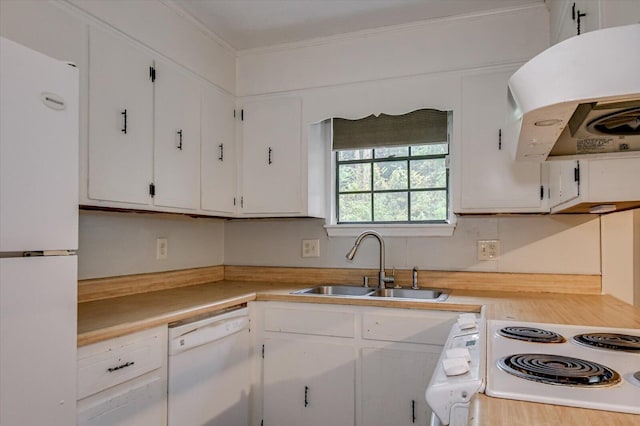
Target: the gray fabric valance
pixel 419 127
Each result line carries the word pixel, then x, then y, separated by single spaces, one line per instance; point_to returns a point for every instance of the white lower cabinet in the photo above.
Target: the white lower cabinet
pixel 393 384
pixel 123 381
pixel 344 365
pixel 308 383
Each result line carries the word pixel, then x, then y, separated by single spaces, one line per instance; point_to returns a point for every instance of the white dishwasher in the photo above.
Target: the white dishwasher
pixel 209 370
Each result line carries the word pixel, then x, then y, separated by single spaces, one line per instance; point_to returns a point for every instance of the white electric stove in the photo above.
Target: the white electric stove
pixel 578 366
pixel 460 372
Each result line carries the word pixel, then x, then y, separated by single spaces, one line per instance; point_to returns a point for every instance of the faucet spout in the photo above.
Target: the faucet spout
pixel 382 278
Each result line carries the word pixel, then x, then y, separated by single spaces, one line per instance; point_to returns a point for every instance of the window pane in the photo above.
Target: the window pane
pixel 402 151
pixel 428 173
pixel 431 149
pixel 356 154
pixel 354 208
pixel 429 205
pixel 390 175
pixel 391 207
pixel 354 177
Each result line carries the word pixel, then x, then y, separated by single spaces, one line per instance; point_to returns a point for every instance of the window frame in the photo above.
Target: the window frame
pixel 395 229
pixel 407 159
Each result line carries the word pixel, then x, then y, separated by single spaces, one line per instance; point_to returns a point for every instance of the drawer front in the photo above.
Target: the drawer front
pixel 431 328
pixel 106 364
pixel 321 323
pixel 139 402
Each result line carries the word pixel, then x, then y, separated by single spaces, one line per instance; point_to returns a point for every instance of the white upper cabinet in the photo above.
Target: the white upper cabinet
pixel 271 157
pixel 218 152
pixel 144 129
pixel 577 186
pixel 490 180
pixel 120 120
pixel 177 139
pixel 569 18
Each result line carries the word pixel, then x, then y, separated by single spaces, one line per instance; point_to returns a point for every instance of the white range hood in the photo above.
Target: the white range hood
pixel 579 98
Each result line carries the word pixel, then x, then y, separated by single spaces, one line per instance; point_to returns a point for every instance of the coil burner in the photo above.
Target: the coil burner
pixel 610 341
pixel 558 370
pixel 531 334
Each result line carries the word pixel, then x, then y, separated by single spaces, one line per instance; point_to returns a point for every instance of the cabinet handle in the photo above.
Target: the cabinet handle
pixel 579 17
pixel 124 118
pixel 413 411
pixel 126 364
pixel 221 146
pixel 499 139
pixel 180 139
pixel 269 155
pixel 306 396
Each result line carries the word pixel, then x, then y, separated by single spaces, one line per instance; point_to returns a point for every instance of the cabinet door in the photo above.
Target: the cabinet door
pixel 491 181
pixel 393 386
pixel 218 154
pixel 177 138
pixel 308 383
pixel 120 120
pixel 271 180
pixel 564 182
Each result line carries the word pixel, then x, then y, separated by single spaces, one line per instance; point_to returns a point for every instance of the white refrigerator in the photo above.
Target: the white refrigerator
pixel 38 237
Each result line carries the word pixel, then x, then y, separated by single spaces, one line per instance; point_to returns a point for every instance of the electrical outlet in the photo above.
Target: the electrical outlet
pixel 488 249
pixel 310 248
pixel 162 248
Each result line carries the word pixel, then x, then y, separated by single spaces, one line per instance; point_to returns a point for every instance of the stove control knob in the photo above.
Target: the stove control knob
pixel 458 353
pixel 455 366
pixel 466 321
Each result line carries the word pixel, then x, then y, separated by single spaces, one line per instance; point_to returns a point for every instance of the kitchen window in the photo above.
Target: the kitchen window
pixel 392 171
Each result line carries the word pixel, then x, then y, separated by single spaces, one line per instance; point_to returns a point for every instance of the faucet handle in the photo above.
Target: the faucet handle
pixel 365 281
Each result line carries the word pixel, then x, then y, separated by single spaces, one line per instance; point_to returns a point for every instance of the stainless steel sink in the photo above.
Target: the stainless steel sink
pixel 389 293
pixel 407 293
pixel 336 290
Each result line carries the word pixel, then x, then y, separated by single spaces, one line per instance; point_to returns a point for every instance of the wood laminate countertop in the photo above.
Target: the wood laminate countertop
pixel 104 319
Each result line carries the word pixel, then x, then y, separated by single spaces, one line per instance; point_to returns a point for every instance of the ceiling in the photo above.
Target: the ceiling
pixel 246 24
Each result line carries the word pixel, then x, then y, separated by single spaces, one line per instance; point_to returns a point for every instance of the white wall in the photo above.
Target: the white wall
pixel 114 244
pixel 621 255
pixel 431 46
pixel 536 244
pixel 394 71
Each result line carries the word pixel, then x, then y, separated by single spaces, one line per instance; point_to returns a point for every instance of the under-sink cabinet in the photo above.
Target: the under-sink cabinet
pixel 123 380
pixel 343 365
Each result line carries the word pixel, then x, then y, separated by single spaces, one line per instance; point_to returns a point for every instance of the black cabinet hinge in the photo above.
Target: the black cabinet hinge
pixel 262 351
pixel 152 190
pixel 152 74
pixel 576 173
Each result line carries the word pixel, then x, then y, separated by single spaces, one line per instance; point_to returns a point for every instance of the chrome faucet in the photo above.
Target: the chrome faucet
pixel 382 278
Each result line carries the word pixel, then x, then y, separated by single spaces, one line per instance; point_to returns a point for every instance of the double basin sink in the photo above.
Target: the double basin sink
pixel 387 293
